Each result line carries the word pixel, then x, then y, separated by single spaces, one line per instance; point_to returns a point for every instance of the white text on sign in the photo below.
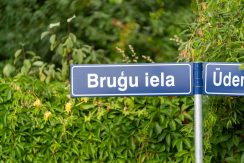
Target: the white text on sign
pixel 124 82
pixel 227 80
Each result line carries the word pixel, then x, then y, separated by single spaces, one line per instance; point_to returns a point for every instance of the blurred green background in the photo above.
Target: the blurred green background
pixel 148 25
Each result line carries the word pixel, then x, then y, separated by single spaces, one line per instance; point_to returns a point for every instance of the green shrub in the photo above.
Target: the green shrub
pixel 217 35
pixel 148 25
pixel 41 123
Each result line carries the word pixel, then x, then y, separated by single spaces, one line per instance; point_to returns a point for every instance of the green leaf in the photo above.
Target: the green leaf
pixel 73 37
pixel 60 50
pixel 44 34
pixel 168 140
pixel 133 144
pixel 129 102
pixel 236 140
pixel 175 142
pixel 52 39
pixel 162 136
pixel 26 67
pixel 179 145
pixel 242 158
pixel 162 148
pixel 31 53
pixel 158 128
pixel 166 122
pixel 38 63
pixel 187 142
pixel 87 106
pixel 17 53
pixel 8 70
pixel 182 153
pixel 143 157
pixel 172 125
pixel 69 43
pixel 161 119
pixel 185 160
pixel 186 115
pixel 78 56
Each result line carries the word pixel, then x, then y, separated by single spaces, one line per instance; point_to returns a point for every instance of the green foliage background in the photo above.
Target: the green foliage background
pixel 217 35
pixel 40 122
pixel 104 24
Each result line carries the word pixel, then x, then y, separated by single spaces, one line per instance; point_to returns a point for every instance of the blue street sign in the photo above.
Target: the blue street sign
pixel 132 80
pixel 223 79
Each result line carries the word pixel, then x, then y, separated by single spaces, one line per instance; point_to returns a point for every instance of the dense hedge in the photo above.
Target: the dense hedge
pixel 41 123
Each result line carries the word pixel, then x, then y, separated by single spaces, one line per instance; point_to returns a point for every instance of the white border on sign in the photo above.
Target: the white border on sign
pixel 205 79
pixel 130 94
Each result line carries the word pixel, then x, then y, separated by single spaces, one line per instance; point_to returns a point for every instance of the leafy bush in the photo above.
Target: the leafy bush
pixel 147 25
pixel 217 35
pixel 40 122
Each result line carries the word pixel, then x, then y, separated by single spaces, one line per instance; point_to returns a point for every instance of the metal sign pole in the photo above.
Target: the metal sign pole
pixel 198 128
pixel 198 136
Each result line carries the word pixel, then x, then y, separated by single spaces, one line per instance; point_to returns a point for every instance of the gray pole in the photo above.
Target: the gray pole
pixel 198 128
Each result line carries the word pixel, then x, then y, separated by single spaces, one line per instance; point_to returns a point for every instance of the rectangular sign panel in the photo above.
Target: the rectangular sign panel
pixel 131 80
pixel 223 79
